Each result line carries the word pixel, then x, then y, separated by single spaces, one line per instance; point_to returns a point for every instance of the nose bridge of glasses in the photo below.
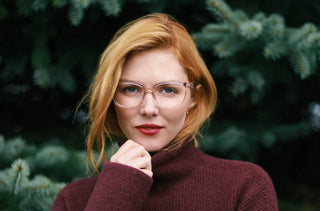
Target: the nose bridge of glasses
pixel 151 92
pixel 148 91
pixel 153 97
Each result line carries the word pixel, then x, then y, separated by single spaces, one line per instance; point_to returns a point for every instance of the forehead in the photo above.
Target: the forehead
pixel 154 66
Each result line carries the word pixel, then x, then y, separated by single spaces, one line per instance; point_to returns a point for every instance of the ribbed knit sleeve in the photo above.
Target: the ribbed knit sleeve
pixel 119 187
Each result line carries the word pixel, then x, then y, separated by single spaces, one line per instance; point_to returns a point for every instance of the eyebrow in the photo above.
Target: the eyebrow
pixel 140 83
pixel 127 80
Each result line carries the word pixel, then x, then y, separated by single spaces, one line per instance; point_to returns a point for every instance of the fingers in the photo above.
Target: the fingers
pixel 147 172
pixel 134 155
pixel 129 150
pixel 143 164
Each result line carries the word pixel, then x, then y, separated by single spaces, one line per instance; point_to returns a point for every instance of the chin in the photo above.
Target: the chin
pixel 152 148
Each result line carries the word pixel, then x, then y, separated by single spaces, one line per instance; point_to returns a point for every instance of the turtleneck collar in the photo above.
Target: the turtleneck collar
pixel 168 163
pixel 121 141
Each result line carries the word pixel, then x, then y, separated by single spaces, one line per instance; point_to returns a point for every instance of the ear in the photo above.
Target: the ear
pixel 193 103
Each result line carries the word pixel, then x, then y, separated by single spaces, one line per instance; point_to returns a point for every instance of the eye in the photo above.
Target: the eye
pixel 129 89
pixel 168 90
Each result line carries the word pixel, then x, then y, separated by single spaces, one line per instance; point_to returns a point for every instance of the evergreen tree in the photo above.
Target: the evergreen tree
pixel 20 189
pixel 30 175
pixel 52 44
pixel 257 56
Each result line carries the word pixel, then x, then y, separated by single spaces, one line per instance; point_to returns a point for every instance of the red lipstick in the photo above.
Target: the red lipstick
pixel 149 129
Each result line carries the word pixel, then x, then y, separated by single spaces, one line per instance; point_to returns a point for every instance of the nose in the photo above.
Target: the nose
pixel 148 105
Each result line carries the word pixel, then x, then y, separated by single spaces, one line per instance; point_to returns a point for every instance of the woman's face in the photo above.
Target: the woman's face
pixel 148 123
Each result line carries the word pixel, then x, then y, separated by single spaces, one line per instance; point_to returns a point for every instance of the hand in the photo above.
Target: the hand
pixel 134 155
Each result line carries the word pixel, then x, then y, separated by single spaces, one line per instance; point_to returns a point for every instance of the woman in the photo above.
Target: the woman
pixel 153 91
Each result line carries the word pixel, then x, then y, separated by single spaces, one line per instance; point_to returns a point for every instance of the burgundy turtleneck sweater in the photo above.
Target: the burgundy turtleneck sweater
pixel 186 179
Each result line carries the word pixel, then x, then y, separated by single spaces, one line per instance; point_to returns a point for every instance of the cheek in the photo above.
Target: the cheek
pixel 123 115
pixel 176 117
pixel 175 122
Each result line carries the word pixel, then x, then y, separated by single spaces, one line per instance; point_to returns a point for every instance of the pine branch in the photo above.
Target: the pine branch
pixel 274 27
pixel 15 180
pixel 221 9
pixel 51 155
pixel 275 49
pixel 239 86
pixel 229 45
pixel 220 29
pixel 241 15
pixel 2 145
pixel 82 3
pixel 39 192
pixel 314 38
pixel 300 64
pixel 241 141
pixel 300 37
pixel 19 172
pixel 256 80
pixel 236 33
pixel 38 5
pixel 250 29
pixel 211 34
pixel 12 149
pixel 76 14
pixel 260 17
pixel 111 7
pixel 59 3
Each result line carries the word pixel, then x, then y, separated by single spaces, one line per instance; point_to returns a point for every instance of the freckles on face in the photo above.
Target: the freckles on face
pixel 148 123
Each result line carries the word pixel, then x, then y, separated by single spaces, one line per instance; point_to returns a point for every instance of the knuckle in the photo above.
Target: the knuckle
pixel 140 148
pixel 121 160
pixel 150 173
pixel 129 141
pixel 149 156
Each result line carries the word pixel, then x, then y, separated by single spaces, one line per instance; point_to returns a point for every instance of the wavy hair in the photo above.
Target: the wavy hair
pixel 148 32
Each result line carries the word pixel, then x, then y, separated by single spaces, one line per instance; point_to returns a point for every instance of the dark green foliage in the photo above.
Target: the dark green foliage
pixel 52 62
pixel 253 68
pixel 236 31
pixel 29 173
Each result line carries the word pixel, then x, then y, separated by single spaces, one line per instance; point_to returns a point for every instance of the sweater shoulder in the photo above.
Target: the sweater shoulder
pixel 222 165
pixel 248 181
pixel 236 172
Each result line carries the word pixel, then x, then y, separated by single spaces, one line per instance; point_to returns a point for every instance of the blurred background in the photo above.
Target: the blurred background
pixel 263 55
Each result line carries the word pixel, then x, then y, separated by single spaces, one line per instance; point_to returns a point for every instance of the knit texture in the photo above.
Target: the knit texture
pixel 186 179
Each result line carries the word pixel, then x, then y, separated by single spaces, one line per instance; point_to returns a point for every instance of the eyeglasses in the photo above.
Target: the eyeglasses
pixel 167 94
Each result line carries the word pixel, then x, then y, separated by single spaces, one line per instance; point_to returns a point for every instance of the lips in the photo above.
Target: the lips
pixel 149 129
